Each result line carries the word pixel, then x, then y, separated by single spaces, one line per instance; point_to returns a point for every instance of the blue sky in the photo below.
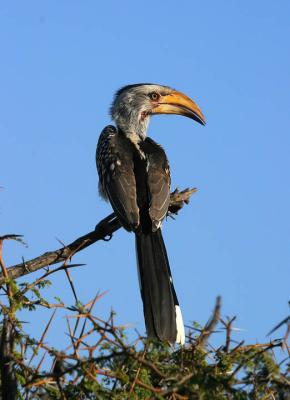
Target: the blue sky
pixel 61 62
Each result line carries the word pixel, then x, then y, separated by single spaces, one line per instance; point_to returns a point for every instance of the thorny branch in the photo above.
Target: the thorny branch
pixel 99 350
pixel 8 378
pixel 228 327
pixel 100 354
pixel 103 231
pixel 211 324
pixel 167 383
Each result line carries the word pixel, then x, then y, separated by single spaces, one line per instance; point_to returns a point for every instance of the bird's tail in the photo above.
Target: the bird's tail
pixel 163 317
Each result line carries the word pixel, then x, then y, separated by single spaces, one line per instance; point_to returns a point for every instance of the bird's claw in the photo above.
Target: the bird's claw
pixel 107 238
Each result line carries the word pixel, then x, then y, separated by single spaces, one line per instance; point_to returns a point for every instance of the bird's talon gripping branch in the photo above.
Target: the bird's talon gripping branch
pixel 107 238
pixel 135 177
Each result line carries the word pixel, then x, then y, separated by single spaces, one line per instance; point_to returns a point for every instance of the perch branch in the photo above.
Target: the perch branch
pixel 103 231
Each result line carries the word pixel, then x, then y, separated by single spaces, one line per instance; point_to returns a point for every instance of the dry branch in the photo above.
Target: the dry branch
pixel 7 340
pixel 211 323
pixel 103 231
pixel 8 378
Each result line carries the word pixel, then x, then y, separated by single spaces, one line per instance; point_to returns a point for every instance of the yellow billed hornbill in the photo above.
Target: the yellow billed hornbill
pixel 135 177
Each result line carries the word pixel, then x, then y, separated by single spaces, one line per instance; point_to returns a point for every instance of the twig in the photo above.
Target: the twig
pixel 137 374
pixel 40 363
pixel 105 228
pixel 37 281
pixel 175 388
pixel 211 324
pixel 42 336
pixel 3 267
pixel 240 366
pixel 8 378
pixel 228 328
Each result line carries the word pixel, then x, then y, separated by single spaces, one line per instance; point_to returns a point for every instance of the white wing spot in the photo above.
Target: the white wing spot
pixel 158 225
pixel 147 166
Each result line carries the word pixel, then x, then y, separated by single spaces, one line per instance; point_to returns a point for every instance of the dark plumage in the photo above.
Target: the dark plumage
pixel 135 177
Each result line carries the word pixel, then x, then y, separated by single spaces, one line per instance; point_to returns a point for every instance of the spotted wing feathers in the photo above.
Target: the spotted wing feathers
pixel 158 180
pixel 117 180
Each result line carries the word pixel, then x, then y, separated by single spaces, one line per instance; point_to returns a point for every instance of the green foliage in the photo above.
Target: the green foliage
pixel 103 364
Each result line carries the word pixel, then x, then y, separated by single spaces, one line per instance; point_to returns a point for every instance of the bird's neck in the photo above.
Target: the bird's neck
pixel 136 134
pixel 134 128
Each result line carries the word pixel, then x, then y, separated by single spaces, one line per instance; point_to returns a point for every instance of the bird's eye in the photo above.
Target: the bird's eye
pixel 154 96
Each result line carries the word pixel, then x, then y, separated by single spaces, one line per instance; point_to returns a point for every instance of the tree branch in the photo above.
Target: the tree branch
pixel 103 231
pixel 8 378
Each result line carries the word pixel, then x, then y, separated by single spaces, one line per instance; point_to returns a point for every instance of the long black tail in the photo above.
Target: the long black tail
pixel 161 310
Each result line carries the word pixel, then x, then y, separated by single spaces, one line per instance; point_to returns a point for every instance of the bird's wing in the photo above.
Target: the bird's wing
pixel 117 180
pixel 158 173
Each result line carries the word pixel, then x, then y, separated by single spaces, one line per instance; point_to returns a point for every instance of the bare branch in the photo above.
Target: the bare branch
pixel 103 231
pixel 8 378
pixel 228 327
pixel 42 336
pixel 211 323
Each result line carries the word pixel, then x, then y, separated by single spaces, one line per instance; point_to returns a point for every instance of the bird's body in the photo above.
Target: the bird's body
pixel 135 177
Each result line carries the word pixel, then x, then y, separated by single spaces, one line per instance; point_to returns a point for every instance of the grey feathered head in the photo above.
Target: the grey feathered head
pixel 134 104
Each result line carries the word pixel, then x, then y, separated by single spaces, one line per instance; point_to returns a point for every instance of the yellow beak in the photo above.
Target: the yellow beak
pixel 178 103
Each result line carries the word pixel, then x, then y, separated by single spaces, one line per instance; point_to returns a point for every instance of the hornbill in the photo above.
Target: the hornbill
pixel 134 176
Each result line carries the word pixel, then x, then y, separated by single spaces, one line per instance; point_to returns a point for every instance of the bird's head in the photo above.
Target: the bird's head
pixel 134 104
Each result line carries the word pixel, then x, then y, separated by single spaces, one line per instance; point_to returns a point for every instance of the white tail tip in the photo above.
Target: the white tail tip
pixel 180 336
